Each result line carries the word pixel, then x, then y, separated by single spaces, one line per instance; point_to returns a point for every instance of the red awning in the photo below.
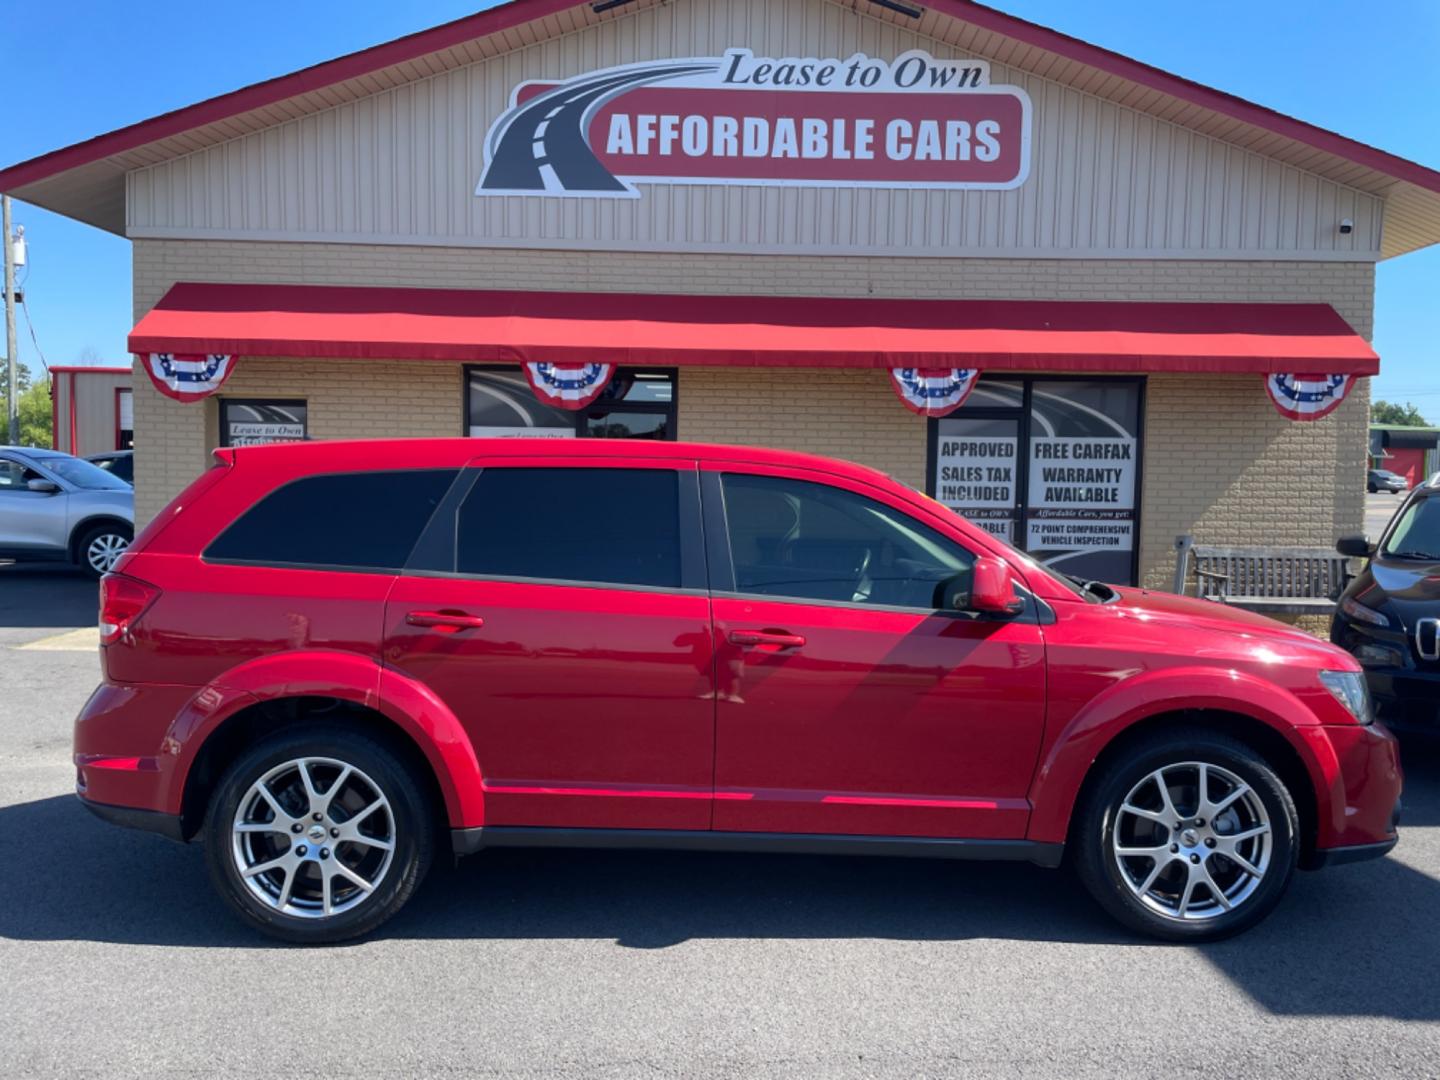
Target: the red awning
pixel 648 329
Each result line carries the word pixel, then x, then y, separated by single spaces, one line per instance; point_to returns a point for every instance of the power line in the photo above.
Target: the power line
pixel 29 325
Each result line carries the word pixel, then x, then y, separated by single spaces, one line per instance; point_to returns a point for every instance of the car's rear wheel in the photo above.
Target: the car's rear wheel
pixel 1188 836
pixel 100 547
pixel 318 835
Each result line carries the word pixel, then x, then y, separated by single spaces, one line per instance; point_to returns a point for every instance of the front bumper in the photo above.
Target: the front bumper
pixel 1359 787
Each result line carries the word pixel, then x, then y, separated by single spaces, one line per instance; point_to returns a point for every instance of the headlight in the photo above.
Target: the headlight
pixel 1350 690
pixel 1360 613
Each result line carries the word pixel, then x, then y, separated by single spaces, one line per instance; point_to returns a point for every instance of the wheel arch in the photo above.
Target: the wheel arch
pixel 1257 712
pixel 1273 747
pixel 276 692
pixel 84 525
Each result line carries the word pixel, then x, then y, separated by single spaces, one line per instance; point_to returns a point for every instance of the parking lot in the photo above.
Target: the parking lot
pixel 118 960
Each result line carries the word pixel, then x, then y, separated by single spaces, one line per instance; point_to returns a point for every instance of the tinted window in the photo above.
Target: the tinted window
pixel 368 520
pixel 614 526
pixel 810 541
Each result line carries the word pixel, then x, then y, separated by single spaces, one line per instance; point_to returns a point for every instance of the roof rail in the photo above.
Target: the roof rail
pixel 1434 481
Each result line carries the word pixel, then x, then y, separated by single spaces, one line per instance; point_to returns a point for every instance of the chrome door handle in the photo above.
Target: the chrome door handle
pixel 778 638
pixel 448 620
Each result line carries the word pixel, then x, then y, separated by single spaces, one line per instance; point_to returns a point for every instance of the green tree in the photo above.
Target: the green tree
pixel 34 408
pixel 23 381
pixel 1386 412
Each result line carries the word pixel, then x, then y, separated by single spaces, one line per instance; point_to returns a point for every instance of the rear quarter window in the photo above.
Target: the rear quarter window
pixel 362 520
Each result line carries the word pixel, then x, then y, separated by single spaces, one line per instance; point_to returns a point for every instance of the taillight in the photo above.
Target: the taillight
pixel 122 601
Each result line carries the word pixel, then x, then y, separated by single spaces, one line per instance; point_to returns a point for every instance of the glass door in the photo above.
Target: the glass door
pixel 1050 464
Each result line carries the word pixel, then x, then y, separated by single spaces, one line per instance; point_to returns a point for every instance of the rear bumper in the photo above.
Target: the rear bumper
pixel 121 752
pixel 129 817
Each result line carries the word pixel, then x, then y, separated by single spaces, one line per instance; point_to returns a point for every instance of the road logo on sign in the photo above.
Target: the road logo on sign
pixel 914 122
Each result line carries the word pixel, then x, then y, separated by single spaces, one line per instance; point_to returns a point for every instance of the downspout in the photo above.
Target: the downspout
pixel 74 444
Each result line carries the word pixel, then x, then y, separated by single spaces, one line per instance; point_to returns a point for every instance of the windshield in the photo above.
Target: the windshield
pixel 84 475
pixel 1416 534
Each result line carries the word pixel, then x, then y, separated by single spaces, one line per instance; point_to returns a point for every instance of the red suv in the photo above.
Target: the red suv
pixel 329 659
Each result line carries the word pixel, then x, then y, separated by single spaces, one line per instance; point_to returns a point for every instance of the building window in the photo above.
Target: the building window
pixel 639 403
pixel 124 419
pixel 1050 464
pixel 254 422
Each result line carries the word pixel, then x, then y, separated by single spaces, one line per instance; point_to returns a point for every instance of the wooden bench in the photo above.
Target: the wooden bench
pixel 1272 580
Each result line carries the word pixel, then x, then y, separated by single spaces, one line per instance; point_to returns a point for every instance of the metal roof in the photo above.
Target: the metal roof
pixel 86 181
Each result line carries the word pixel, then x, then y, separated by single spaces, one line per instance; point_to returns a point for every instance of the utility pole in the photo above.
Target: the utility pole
pixel 13 403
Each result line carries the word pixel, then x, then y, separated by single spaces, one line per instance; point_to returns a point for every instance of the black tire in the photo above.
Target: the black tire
pixel 411 823
pixel 117 530
pixel 1108 877
pixel 1371 488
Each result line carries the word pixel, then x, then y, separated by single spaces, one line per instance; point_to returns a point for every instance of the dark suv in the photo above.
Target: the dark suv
pixel 1389 616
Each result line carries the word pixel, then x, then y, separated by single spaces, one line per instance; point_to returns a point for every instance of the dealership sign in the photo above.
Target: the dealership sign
pixel 914 122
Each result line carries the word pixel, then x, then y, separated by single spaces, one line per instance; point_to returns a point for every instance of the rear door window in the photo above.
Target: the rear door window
pixel 360 521
pixel 584 525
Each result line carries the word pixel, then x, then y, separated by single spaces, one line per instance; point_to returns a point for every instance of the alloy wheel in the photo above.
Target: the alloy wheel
pixel 313 837
pixel 1192 841
pixel 104 551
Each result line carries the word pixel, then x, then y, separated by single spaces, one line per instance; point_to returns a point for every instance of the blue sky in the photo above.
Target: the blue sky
pixel 79 68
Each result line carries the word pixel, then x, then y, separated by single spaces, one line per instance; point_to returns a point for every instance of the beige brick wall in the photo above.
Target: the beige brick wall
pixel 1219 461
pixel 1222 465
pixel 849 414
pixel 347 400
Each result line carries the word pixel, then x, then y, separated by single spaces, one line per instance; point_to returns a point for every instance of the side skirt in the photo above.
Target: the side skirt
pixel 469 841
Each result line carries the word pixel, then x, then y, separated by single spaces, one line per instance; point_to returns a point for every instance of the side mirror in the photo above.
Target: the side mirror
pixel 992 589
pixel 1356 546
pixel 44 487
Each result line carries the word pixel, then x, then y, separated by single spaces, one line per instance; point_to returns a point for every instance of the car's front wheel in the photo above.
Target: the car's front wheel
pixel 318 835
pixel 1188 836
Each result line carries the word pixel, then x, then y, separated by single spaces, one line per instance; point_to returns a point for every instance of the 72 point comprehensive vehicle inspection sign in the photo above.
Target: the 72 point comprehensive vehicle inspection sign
pixel 914 122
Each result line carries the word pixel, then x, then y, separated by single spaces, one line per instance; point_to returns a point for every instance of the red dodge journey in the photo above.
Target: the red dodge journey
pixel 332 660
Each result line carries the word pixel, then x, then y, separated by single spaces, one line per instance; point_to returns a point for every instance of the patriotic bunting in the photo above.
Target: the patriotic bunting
pixel 187 377
pixel 1307 397
pixel 933 391
pixel 568 386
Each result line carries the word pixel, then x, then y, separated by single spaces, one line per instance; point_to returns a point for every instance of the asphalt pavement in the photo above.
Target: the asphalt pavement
pixel 116 960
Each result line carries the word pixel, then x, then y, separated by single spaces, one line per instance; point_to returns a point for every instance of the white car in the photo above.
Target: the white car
pixel 56 507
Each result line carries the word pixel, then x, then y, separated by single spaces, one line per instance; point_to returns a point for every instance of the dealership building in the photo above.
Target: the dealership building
pixel 1089 304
